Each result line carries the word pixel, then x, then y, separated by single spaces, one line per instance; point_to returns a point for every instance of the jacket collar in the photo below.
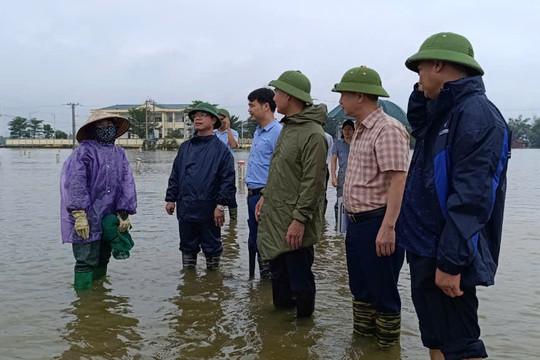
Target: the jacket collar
pixel 455 91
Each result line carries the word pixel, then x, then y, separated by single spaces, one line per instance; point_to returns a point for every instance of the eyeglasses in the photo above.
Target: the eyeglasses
pixel 201 114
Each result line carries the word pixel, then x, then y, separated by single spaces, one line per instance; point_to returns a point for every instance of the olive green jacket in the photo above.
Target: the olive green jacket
pixel 296 182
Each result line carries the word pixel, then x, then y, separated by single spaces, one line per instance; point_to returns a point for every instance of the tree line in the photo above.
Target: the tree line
pixel 527 130
pixel 24 128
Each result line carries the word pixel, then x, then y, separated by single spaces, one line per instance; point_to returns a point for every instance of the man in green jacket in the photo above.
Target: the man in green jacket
pixel 292 215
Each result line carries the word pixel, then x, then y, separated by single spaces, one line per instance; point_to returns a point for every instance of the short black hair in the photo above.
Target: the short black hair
pixel 263 96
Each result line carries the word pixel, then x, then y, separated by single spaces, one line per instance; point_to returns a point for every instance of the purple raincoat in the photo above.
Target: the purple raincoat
pixel 95 178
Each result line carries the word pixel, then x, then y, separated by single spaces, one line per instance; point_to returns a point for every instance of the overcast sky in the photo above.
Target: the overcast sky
pixel 101 53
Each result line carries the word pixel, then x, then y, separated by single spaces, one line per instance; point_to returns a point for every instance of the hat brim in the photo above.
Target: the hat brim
pixel 445 55
pixel 86 132
pixel 294 92
pixel 361 88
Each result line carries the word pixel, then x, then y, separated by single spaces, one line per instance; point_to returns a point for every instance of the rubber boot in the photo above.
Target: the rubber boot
pixel 388 329
pixel 363 318
pixel 252 254
pixel 99 272
pixel 212 262
pixel 189 261
pixel 305 307
pixel 83 280
pixel 264 267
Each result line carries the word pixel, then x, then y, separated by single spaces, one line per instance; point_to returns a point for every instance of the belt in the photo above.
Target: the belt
pixel 252 192
pixel 366 215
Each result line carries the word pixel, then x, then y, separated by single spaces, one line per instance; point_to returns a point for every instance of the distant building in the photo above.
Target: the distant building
pixel 168 117
pixel 520 144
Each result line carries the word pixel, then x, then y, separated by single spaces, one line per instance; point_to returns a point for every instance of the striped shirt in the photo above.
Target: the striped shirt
pixel 379 144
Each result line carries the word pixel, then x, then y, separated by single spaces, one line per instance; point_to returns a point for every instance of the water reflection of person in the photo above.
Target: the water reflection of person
pixel 101 326
pixel 201 329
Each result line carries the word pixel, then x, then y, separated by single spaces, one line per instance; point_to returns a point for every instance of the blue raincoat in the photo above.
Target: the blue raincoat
pixel 463 179
pixel 95 178
pixel 202 176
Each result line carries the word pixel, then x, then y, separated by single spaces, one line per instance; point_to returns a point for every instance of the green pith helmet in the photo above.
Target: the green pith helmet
pixel 224 113
pixel 446 46
pixel 209 108
pixel 363 80
pixel 295 84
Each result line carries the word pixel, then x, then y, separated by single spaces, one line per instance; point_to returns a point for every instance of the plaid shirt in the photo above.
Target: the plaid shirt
pixel 379 144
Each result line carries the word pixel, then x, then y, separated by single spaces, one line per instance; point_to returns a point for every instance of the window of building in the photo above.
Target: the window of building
pixel 179 117
pixel 170 117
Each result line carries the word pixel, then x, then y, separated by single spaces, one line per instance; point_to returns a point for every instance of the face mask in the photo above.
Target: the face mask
pixel 106 134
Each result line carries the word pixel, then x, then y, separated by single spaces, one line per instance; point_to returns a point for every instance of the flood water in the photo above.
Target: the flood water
pixel 149 308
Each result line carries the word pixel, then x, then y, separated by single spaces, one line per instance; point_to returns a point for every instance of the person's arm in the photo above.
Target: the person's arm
pixel 171 196
pixel 392 154
pixel 312 185
pixel 127 196
pixel 385 244
pixel 333 166
pixel 226 194
pixel 233 141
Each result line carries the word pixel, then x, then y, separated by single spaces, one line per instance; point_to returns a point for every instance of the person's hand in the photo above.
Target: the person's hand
pixel 334 180
pixel 169 207
pixel 258 208
pixel 448 283
pixel 124 224
pixel 81 223
pixel 295 234
pixel 385 243
pixel 226 122
pixel 219 216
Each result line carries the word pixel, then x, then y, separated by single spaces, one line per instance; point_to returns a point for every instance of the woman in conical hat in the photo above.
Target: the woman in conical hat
pixel 96 181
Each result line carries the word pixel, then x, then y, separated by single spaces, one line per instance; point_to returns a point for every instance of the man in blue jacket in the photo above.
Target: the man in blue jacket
pixel 201 185
pixel 452 211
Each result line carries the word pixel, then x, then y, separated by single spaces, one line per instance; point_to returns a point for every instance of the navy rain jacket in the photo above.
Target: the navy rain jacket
pixel 202 176
pixel 467 147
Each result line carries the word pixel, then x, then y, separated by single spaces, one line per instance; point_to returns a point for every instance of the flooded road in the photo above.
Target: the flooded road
pixel 149 308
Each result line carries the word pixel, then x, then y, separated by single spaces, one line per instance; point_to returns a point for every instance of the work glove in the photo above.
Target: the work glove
pixel 124 223
pixel 81 223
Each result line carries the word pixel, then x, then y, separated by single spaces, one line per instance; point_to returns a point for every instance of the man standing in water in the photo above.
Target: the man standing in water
pixel 261 109
pixel 96 181
pixel 452 212
pixel 229 136
pixel 291 206
pixel 200 186
pixel 374 182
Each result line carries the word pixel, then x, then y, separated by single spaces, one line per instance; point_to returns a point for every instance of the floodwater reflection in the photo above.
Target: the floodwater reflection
pixel 103 325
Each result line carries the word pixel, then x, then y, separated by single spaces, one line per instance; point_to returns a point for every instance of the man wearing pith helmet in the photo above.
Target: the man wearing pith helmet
pixel 452 211
pixel 201 185
pixel 291 206
pixel 374 182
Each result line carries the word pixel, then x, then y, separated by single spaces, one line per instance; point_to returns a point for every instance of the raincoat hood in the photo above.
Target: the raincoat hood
pixel 311 113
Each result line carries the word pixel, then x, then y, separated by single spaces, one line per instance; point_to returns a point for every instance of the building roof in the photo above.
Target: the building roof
pixel 388 107
pixel 130 106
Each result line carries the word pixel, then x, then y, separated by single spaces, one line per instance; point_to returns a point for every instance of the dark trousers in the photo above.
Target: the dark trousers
pixel 372 279
pixel 292 278
pixel 448 324
pixel 253 225
pixel 195 236
pixel 90 255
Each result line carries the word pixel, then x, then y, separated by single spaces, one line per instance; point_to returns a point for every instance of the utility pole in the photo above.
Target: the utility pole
pixel 73 121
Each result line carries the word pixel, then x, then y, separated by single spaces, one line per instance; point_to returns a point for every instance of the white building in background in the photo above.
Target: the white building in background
pixel 168 117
